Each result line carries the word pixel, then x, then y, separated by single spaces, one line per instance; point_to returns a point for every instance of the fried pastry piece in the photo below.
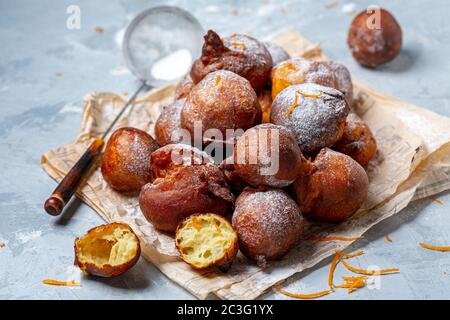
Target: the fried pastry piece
pixel 299 70
pixel 268 223
pixel 357 141
pixel 126 160
pixel 222 100
pixel 238 53
pixel 336 188
pixel 315 114
pixel 268 155
pixel 206 240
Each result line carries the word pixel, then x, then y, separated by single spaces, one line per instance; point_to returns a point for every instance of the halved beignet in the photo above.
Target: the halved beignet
pixel 206 240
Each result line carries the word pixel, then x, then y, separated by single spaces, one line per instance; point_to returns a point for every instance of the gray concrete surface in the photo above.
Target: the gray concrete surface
pixel 45 69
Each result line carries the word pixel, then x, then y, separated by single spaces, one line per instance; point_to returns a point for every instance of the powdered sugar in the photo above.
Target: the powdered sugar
pixel 316 122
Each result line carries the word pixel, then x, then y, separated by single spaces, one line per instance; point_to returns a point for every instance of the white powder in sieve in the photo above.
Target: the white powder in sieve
pixel 173 66
pixel 349 8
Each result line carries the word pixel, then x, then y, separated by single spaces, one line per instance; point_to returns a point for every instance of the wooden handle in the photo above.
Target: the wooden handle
pixel 67 187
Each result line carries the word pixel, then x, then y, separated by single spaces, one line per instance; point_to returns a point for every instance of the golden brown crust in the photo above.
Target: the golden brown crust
pixel 335 190
pixel 299 70
pixel 238 53
pixel 265 101
pixel 126 160
pixel 268 155
pixel 173 156
pixel 184 191
pixel 222 100
pixel 168 124
pixel 268 223
pixel 315 114
pixel 357 141
pixel 228 253
pixel 373 46
pixel 184 87
pixel 343 80
pixel 105 270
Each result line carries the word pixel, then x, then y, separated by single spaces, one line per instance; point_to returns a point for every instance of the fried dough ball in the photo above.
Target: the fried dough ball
pixel 184 87
pixel 374 37
pixel 126 160
pixel 222 100
pixel 265 101
pixel 277 53
pixel 238 53
pixel 357 141
pixel 336 188
pixel 268 223
pixel 173 156
pixel 315 114
pixel 107 250
pixel 344 80
pixel 300 70
pixel 268 155
pixel 167 127
pixel 183 191
pixel 206 240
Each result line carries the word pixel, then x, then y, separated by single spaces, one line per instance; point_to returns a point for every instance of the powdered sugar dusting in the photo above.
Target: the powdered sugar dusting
pixel 275 214
pixel 316 122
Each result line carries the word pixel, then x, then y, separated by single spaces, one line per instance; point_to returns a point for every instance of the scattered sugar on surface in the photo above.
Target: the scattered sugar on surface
pixel 25 237
pixel 70 108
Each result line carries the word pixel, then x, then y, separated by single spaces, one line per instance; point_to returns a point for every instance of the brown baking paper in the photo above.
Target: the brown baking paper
pixel 412 162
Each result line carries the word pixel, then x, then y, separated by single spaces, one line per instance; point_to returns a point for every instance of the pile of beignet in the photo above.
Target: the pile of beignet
pixel 214 208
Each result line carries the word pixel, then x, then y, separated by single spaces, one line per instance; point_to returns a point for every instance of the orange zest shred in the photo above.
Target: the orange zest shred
pixel 333 238
pixel 388 237
pixel 434 198
pixel 368 272
pixel 239 45
pixel 339 255
pixel 353 283
pixel 218 78
pixel 292 107
pixel 303 94
pixel 333 266
pixel 304 296
pixel 70 283
pixel 435 248
pixel 350 255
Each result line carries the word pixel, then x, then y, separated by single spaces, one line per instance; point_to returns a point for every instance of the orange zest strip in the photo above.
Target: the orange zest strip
pixel 239 45
pixel 218 78
pixel 303 94
pixel 70 283
pixel 350 255
pixel 353 283
pixel 368 272
pixel 304 296
pixel 339 255
pixel 437 200
pixel 333 266
pixel 333 238
pixel 435 248
pixel 292 107
pixel 388 237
